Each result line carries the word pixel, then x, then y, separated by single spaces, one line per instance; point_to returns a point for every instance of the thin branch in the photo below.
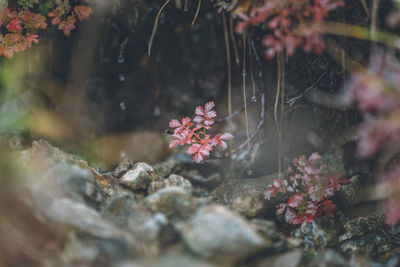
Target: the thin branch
pixel 234 114
pixel 197 13
pixel 234 46
pixel 228 62
pixel 153 33
pixel 244 86
pixel 257 130
pixel 293 100
pixel 253 84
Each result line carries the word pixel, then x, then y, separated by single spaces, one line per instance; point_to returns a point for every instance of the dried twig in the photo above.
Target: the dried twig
pixel 153 33
pixel 197 13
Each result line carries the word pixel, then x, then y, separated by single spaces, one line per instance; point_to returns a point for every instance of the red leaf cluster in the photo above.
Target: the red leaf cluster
pixel 194 133
pixel 311 186
pixel 65 17
pixel 19 25
pixel 377 93
pixel 291 24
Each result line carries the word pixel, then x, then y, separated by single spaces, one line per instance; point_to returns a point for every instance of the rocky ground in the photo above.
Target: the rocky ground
pixel 65 213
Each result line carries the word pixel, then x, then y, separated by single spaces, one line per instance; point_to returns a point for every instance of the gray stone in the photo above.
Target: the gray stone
pixel 123 167
pixel 174 202
pixel 118 208
pixel 267 229
pixel 172 180
pixel 329 258
pixel 366 235
pixel 139 177
pixel 216 232
pixel 171 261
pixel 66 181
pixel 83 218
pixel 245 195
pixel 288 259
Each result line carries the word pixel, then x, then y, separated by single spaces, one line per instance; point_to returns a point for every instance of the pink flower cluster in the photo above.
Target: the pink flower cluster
pixel 377 92
pixel 195 134
pixel 292 23
pixel 310 185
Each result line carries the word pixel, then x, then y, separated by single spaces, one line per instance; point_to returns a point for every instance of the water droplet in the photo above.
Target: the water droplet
pixel 121 77
pixel 123 154
pixel 157 111
pixel 121 59
pixel 122 106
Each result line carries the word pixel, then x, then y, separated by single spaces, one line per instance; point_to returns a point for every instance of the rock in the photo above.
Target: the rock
pixel 245 195
pixel 139 177
pixel 288 259
pixel 123 167
pixel 42 157
pixel 351 192
pixel 171 261
pixel 118 208
pixel 196 178
pixel 174 202
pixel 366 235
pixel 66 181
pixel 81 250
pixel 329 258
pixel 267 229
pixel 320 233
pixel 217 233
pixel 172 180
pixel 78 253
pixel 83 218
pixel 170 166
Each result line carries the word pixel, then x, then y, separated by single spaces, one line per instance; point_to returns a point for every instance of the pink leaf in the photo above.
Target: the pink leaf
pixel 193 149
pixel 199 111
pixel 226 136
pixel 292 217
pixel 174 123
pixel 295 201
pixel 209 106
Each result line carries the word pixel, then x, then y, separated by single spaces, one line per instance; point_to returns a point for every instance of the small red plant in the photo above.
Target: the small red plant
pixel 20 23
pixel 194 133
pixel 310 187
pixel 377 93
pixel 291 24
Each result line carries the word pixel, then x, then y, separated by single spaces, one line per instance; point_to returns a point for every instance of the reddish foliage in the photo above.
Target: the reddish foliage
pixel 195 135
pixel 310 185
pixel 291 23
pixel 19 25
pixel 377 92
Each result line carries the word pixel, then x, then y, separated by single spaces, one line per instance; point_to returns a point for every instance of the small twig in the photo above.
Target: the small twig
pixel 365 6
pixel 296 98
pixel 153 33
pixel 228 62
pixel 253 84
pixel 234 114
pixel 197 13
pixel 244 86
pixel 257 130
pixel 234 46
